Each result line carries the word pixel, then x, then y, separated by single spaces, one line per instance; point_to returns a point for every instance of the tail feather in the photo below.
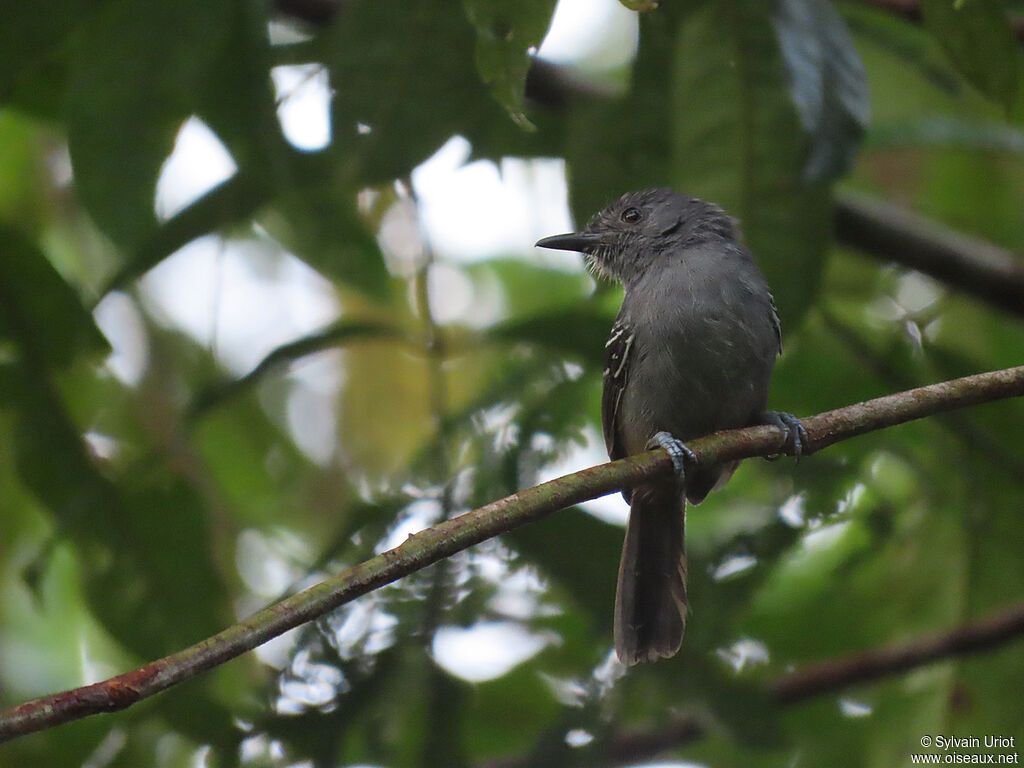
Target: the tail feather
pixel 650 602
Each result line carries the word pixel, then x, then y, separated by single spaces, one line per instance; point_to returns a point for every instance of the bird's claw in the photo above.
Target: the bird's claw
pixel 796 435
pixel 677 451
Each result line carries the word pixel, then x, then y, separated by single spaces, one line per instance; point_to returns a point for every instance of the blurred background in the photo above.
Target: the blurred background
pixel 269 303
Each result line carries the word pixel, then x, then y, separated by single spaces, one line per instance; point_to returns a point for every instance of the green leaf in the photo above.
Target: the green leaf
pixel 322 226
pixel 738 141
pixel 336 335
pixel 228 203
pixel 613 146
pixel 130 541
pixel 580 553
pixel 30 41
pixel 133 79
pixel 506 30
pixel 579 332
pixel 405 81
pixel 38 310
pixel 128 536
pixel 827 83
pixel 948 132
pixel 981 44
pixel 640 6
pixel 236 98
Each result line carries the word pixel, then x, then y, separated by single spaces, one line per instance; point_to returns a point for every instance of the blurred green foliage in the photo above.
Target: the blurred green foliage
pixel 140 515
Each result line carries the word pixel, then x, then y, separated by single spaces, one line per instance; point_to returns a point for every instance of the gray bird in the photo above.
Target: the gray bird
pixel 691 352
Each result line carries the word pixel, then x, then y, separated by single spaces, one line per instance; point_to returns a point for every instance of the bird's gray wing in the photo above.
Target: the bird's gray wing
pixel 776 323
pixel 616 374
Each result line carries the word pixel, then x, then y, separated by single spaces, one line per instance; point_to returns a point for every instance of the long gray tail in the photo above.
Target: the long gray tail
pixel 650 602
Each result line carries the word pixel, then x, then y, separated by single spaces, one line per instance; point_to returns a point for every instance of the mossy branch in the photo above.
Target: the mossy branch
pixel 451 536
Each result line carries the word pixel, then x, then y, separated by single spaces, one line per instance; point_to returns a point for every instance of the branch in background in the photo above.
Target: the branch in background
pixel 451 536
pixel 910 10
pixel 332 337
pixel 974 438
pixel 815 679
pixel 973 265
pixel 870 665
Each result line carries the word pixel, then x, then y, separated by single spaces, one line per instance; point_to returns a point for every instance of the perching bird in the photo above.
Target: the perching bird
pixel 691 352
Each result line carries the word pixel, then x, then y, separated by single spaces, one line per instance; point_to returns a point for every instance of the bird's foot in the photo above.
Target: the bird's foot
pixel 677 451
pixel 796 435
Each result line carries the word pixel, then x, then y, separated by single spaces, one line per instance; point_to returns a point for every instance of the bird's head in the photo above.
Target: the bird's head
pixel 631 235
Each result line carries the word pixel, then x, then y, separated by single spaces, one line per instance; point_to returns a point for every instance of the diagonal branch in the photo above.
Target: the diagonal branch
pixel 333 336
pixel 970 264
pixel 451 536
pixel 861 667
pixel 910 10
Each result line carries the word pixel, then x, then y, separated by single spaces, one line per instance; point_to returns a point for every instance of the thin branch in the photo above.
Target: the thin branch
pixel 975 266
pixel 975 439
pixel 910 10
pixel 451 536
pixel 333 336
pixel 833 675
pixel 829 676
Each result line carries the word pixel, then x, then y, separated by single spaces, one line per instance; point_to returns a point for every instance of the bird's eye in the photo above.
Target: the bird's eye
pixel 631 215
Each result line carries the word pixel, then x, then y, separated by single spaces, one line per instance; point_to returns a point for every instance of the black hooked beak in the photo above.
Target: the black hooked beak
pixel 584 242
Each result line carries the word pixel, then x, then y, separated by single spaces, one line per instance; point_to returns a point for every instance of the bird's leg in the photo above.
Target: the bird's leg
pixel 677 451
pixel 796 435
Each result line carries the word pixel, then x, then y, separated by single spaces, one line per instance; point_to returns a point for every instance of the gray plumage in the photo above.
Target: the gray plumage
pixel 691 352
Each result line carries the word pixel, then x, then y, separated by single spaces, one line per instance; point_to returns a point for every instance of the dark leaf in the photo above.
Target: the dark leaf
pixel 322 225
pixel 980 42
pixel 580 554
pixel 125 103
pixel 31 42
pixel 827 82
pixel 405 81
pixel 336 335
pixel 38 310
pixel 506 31
pixel 579 332
pixel 738 141
pixel 230 202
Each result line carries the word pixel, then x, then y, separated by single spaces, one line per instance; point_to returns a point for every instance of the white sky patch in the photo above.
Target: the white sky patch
pixel 102 446
pixel 518 594
pixel 417 516
pixel 312 423
pixel 578 737
pixel 485 651
pixel 265 563
pixel 595 35
pixel 917 292
pixel 744 653
pixel 312 407
pixel 180 289
pixel 304 104
pixel 792 510
pixel 217 292
pixel 825 537
pixel 852 708
pixel 119 319
pixel 277 651
pixel 852 498
pixel 472 211
pixel 732 566
pixel 198 163
pixel 451 293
